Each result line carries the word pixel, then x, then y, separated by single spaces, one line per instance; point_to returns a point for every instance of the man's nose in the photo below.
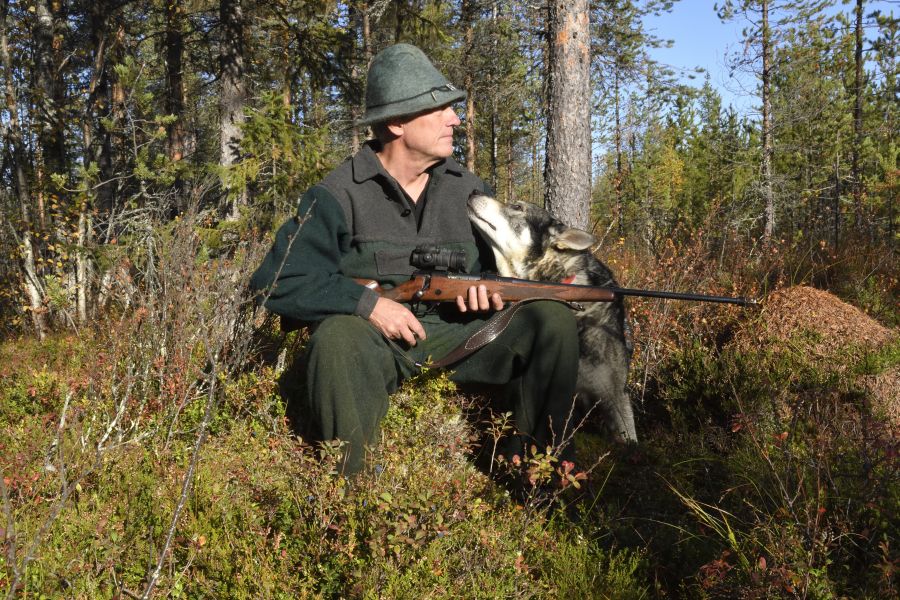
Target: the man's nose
pixel 453 118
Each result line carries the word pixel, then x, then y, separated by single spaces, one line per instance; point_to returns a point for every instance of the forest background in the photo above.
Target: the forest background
pixel 151 149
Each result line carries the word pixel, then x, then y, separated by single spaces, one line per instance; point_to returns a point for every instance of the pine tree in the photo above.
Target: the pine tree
pixel 767 21
pixel 233 95
pixel 568 158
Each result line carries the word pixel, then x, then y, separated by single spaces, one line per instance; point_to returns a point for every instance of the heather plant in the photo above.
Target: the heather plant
pixel 767 466
pixel 269 515
pixel 145 446
pixel 152 381
pixel 155 456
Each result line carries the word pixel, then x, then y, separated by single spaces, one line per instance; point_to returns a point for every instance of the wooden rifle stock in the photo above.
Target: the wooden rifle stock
pixel 427 286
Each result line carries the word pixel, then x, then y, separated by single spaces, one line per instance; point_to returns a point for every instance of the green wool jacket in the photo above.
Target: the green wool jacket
pixel 358 223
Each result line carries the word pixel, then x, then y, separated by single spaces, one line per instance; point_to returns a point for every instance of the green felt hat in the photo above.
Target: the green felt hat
pixel 402 81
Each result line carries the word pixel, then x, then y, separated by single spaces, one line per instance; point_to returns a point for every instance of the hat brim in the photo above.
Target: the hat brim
pixel 405 108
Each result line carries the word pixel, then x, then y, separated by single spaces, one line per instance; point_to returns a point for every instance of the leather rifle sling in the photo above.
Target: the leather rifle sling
pixel 487 333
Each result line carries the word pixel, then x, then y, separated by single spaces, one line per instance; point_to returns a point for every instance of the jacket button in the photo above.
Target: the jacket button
pixel 405 212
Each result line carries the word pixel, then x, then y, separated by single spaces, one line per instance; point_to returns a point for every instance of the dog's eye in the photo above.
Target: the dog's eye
pixel 516 206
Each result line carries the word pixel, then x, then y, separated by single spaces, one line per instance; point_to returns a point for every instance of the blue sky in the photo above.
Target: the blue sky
pixel 702 40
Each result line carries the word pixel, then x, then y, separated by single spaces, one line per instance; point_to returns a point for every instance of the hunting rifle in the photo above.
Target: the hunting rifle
pixel 430 286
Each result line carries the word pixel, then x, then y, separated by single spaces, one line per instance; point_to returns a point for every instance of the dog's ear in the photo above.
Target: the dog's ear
pixel 573 239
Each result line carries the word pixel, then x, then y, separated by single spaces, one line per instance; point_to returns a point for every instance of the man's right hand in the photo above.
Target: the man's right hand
pixel 396 321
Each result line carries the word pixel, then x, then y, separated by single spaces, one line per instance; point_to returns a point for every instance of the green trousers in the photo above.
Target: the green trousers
pixel 351 370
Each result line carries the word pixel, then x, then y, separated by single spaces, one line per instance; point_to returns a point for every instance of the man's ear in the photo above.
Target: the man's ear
pixel 573 239
pixel 395 128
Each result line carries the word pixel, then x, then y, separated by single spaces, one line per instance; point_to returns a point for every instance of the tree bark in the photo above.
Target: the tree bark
pixel 175 78
pixel 857 116
pixel 20 183
pixel 174 102
pixel 768 138
pixel 51 90
pixel 468 18
pixel 360 12
pixel 568 156
pixel 114 110
pixel 535 175
pixel 494 144
pixel 234 97
pixel 510 188
pixel 99 106
pixel 83 267
pixel 836 201
pixel 471 140
pixel 617 134
pixel 97 89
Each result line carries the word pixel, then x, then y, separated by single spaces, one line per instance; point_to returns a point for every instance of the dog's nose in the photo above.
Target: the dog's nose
pixel 475 193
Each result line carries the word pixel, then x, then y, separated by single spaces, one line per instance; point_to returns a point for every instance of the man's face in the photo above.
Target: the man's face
pixel 430 134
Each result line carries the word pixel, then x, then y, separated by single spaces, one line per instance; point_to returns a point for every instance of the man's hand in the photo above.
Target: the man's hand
pixel 396 321
pixel 478 300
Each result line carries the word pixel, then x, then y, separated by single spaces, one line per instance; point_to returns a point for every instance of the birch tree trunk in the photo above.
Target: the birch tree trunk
pixel 83 270
pixel 568 158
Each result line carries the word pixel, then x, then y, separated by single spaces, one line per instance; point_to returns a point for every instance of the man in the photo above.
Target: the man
pixel 364 220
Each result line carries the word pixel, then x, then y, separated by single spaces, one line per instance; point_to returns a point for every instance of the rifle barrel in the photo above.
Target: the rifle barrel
pixel 740 301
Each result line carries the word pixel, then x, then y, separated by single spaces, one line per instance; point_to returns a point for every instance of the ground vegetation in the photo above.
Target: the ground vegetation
pixel 151 149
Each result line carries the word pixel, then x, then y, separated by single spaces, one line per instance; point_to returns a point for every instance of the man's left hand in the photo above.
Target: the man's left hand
pixel 477 300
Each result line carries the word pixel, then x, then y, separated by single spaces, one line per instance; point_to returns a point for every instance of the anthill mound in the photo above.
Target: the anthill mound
pixel 885 390
pixel 828 326
pixel 822 329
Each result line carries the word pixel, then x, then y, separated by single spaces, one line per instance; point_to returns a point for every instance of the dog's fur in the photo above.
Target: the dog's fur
pixel 529 243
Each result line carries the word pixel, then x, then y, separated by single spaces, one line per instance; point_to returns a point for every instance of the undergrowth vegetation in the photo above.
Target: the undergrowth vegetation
pixel 153 455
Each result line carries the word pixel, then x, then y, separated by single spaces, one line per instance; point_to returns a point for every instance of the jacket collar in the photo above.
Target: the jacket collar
pixel 366 164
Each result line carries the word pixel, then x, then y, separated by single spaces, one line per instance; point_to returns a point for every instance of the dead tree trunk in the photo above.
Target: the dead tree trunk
pixel 568 157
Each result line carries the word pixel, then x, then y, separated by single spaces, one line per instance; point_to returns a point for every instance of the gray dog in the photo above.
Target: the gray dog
pixel 528 243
